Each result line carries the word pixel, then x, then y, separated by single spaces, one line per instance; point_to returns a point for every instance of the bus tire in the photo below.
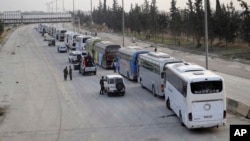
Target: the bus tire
pixel 141 83
pixel 168 104
pixel 153 91
pixel 180 115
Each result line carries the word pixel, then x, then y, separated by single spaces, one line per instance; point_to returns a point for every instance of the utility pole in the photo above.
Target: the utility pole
pixel 123 23
pixel 206 34
pixel 74 15
pixel 91 12
pixel 63 10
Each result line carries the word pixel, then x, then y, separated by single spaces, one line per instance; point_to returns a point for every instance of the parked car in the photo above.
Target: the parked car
pixel 52 42
pixel 114 84
pixel 62 48
pixel 76 56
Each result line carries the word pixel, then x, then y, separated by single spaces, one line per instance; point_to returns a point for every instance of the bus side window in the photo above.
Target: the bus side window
pixel 163 75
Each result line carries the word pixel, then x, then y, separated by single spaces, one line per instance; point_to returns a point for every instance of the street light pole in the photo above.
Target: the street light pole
pixel 74 15
pixel 206 34
pixel 123 23
pixel 63 10
pixel 91 12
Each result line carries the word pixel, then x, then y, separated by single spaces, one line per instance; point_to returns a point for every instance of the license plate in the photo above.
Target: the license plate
pixel 210 116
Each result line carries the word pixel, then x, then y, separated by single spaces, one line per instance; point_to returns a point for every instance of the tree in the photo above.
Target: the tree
pixel 1 28
pixel 144 17
pixel 189 20
pixel 162 21
pixel 135 16
pixel 153 17
pixel 175 22
pixel 211 23
pixel 232 27
pixel 218 20
pixel 245 28
pixel 104 6
pixel 199 22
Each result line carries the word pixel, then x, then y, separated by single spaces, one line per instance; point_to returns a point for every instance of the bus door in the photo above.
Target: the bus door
pixel 99 58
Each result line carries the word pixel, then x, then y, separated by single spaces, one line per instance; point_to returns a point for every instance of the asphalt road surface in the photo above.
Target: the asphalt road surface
pixel 41 106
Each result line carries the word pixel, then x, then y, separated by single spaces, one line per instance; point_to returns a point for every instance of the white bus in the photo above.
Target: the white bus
pixel 196 95
pixel 81 42
pixel 60 34
pixel 66 37
pixel 151 71
pixel 72 40
pixel 128 61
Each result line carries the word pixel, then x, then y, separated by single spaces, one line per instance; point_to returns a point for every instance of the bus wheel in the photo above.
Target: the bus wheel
pixel 168 104
pixel 141 83
pixel 153 91
pixel 181 118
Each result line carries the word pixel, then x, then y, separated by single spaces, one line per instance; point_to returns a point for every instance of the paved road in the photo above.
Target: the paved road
pixel 41 106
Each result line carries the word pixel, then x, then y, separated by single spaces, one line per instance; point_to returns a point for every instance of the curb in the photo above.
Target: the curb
pixel 238 107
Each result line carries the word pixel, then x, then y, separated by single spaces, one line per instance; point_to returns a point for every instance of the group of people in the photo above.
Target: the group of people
pixel 67 72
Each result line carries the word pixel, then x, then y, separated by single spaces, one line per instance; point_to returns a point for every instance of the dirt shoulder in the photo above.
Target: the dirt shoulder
pixel 4 37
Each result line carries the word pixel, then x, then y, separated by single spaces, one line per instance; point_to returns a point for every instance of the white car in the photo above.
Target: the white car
pixel 61 48
pixel 76 56
pixel 114 84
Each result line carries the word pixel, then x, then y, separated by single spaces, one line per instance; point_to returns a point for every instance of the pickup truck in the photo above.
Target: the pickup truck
pixel 87 65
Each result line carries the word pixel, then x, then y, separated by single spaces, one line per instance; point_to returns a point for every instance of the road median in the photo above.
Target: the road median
pixel 238 107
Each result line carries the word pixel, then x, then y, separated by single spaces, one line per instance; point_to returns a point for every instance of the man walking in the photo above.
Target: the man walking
pixel 102 86
pixel 65 72
pixel 70 72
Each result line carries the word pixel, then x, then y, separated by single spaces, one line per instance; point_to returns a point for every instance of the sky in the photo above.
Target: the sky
pixel 48 5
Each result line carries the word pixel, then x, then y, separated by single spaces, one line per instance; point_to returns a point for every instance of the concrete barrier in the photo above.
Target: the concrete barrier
pixel 238 107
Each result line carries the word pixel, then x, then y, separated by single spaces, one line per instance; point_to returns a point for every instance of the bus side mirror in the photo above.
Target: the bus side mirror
pixel 162 75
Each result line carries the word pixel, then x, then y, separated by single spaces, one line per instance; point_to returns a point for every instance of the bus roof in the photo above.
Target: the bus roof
pixel 107 44
pixel 129 50
pixel 83 36
pixel 158 57
pixel 192 72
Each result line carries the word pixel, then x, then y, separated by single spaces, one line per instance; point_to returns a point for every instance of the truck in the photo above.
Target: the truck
pixel 87 65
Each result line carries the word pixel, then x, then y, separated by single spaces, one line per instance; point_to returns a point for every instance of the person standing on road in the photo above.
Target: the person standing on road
pixel 70 72
pixel 113 65
pixel 65 72
pixel 102 86
pixel 155 49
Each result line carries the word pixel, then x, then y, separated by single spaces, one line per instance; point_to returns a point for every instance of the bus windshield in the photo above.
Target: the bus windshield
pixel 206 87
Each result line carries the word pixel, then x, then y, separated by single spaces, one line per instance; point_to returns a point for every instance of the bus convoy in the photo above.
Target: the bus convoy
pixel 196 95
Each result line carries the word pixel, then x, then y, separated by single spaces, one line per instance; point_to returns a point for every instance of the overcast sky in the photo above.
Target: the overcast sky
pixel 43 5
